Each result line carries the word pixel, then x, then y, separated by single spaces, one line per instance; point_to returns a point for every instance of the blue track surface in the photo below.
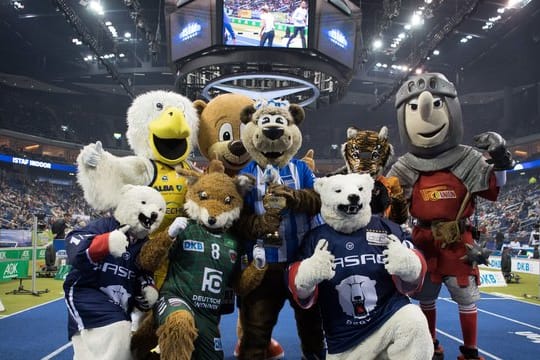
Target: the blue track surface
pixel 509 329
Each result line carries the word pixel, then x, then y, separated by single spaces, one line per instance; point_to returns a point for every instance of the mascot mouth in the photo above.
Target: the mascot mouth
pixel 350 209
pixel 170 148
pixel 272 154
pixel 432 133
pixel 231 163
pixel 146 221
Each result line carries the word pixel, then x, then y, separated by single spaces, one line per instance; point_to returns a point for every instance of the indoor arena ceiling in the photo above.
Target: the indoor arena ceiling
pixel 481 45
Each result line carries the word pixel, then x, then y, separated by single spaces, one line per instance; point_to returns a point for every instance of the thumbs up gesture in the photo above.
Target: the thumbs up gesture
pixel 118 241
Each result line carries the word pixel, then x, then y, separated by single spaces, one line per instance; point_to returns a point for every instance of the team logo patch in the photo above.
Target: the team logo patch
pixel 217 344
pixel 164 178
pixel 192 245
pixel 437 193
pixel 126 256
pixel 357 296
pixel 376 238
pixel 349 246
pixel 233 255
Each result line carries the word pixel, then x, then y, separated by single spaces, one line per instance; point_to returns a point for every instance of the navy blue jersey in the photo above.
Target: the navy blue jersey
pixel 362 295
pixel 101 293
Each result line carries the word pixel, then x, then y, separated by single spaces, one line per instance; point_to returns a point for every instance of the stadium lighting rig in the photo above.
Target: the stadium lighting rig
pixel 86 36
pixel 420 53
pixel 208 62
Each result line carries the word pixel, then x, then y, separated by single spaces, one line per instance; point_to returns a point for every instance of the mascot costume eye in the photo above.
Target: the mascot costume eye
pixel 359 269
pixel 367 151
pixel 441 179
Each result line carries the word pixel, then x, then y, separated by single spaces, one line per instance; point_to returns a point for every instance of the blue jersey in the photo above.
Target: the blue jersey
pixel 101 293
pixel 296 175
pixel 362 295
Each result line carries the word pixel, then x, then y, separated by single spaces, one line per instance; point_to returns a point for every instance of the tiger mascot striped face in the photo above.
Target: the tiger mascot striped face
pixel 367 151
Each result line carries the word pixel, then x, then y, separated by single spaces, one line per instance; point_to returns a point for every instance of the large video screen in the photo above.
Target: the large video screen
pixel 190 28
pixel 272 23
pixel 337 36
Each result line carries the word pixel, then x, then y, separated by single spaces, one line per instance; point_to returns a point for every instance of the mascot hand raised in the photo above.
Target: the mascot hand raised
pixel 91 154
pixel 114 243
pixel 179 224
pixel 296 199
pixel 495 145
pixel 313 270
pixel 401 261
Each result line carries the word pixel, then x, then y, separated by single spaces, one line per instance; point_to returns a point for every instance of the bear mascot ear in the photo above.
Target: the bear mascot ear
pixel 297 112
pixel 199 106
pixel 319 184
pixel 245 115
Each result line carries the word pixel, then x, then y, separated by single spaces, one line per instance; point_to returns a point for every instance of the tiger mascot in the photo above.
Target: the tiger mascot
pixel 367 151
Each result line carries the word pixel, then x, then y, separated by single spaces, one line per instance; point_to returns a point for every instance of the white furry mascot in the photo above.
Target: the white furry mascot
pixel 162 130
pixel 359 268
pixel 105 283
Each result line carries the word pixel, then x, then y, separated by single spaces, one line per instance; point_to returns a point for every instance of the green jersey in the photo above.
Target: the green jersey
pixel 201 267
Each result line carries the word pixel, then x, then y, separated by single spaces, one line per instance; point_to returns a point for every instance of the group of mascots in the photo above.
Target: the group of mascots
pixel 153 279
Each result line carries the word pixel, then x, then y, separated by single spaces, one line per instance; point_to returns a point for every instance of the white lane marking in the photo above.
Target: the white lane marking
pixel 57 351
pixel 459 341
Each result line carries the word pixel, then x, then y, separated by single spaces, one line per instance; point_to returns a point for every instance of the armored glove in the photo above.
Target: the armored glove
pixel 495 145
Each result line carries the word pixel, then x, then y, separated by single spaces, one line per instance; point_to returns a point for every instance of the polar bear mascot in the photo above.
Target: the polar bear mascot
pixel 359 269
pixel 105 283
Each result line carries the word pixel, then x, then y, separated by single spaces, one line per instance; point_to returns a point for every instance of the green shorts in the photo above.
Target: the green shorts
pixel 208 344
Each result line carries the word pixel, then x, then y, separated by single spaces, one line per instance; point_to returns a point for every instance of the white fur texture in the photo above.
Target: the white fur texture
pixel 102 175
pixel 404 336
pixel 143 110
pixel 335 191
pixel 117 243
pixel 179 224
pixel 109 342
pixel 150 294
pixel 136 200
pixel 101 183
pixel 319 267
pixel 200 214
pixel 401 261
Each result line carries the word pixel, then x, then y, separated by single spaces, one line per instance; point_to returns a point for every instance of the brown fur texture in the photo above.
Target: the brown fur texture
pixel 219 130
pixel 218 194
pixel 272 137
pixel 154 252
pixel 176 336
pixel 145 339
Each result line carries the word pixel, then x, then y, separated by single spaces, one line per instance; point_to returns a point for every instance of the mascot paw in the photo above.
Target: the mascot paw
pixel 91 154
pixel 313 270
pixel 177 336
pixel 476 255
pixel 178 225
pixel 118 241
pixel 259 257
pixel 401 261
pixel 148 298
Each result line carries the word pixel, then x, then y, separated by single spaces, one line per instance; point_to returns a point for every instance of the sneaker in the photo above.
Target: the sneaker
pixel 438 354
pixel 469 354
pixel 275 350
pixel 2 308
